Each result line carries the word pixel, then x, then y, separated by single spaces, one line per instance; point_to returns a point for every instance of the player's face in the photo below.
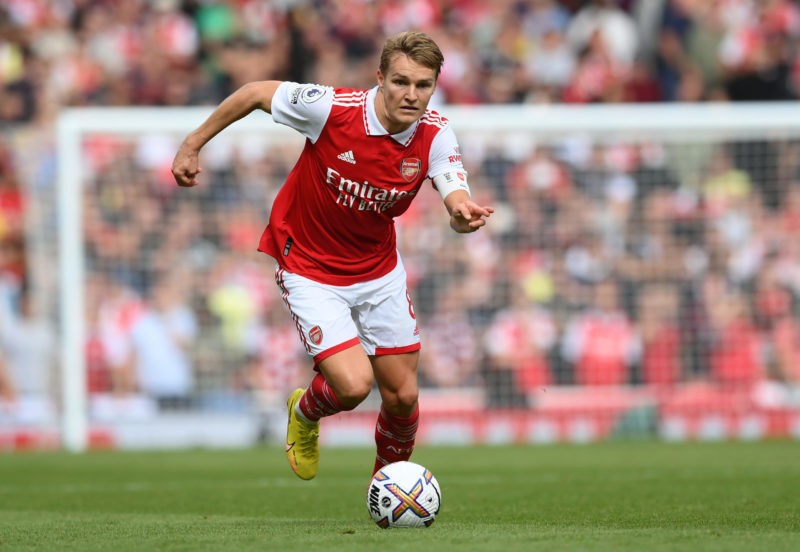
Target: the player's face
pixel 404 93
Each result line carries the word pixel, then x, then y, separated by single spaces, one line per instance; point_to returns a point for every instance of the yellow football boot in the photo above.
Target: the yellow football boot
pixel 302 441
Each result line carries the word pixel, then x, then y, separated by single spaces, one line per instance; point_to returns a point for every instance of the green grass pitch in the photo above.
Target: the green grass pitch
pixel 616 496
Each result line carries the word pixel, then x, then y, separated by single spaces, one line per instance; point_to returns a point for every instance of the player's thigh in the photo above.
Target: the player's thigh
pixel 321 315
pixel 385 315
pixel 396 375
pixel 323 318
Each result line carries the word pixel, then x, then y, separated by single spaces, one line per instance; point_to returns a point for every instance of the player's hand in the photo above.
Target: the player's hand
pixel 468 216
pixel 185 167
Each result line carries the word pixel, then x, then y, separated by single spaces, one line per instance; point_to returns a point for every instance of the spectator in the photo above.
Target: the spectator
pixel 725 185
pixel 785 342
pixel 602 344
pixel 101 377
pixel 12 202
pixel 598 77
pixel 543 17
pixel 775 317
pixel 736 355
pixel 28 349
pixel 659 324
pixel 604 21
pixel 754 51
pixel 452 356
pixel 517 344
pixel 161 338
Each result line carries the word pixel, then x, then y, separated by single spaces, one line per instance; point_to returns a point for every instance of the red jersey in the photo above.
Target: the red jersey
pixel 602 345
pixel 737 357
pixel 332 221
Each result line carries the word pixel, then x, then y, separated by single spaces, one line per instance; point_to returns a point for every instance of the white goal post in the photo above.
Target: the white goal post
pixel 72 127
pixel 514 128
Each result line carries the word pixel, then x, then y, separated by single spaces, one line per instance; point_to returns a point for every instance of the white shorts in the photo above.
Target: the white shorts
pixel 378 314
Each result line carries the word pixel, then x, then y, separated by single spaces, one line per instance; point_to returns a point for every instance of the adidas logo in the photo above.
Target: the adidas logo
pixel 348 157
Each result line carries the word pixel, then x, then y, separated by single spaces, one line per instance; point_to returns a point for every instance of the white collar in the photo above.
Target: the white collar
pixel 374 126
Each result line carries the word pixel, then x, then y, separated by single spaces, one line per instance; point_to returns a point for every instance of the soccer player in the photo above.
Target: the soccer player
pixel 331 231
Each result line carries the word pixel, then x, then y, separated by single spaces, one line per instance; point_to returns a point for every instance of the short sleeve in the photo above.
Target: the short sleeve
pixel 444 155
pixel 303 107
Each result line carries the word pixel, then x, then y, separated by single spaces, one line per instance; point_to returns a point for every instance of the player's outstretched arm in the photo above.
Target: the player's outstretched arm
pixel 466 215
pixel 248 98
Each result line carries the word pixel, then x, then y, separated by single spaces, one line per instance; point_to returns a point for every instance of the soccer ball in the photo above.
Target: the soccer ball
pixel 404 494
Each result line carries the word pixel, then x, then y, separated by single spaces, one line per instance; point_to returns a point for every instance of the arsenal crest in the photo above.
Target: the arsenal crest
pixel 316 335
pixel 410 168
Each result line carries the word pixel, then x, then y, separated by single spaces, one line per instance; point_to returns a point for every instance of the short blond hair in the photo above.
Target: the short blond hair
pixel 418 46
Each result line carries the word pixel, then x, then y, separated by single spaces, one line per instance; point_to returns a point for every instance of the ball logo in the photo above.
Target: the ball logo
pixel 315 334
pixel 410 168
pixel 408 500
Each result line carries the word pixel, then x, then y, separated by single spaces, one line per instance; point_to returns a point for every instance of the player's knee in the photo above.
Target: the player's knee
pixel 353 393
pixel 402 402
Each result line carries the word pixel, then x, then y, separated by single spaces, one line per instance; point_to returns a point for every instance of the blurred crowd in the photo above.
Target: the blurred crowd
pixel 606 264
pixel 186 52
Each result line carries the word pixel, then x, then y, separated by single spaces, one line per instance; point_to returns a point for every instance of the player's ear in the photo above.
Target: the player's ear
pixel 380 78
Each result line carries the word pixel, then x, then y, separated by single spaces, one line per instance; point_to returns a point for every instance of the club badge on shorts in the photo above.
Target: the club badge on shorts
pixel 410 168
pixel 315 334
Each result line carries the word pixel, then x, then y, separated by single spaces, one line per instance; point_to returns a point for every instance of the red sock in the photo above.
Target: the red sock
pixel 394 437
pixel 319 400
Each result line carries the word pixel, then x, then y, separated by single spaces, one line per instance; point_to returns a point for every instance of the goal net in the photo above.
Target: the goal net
pixel 640 277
